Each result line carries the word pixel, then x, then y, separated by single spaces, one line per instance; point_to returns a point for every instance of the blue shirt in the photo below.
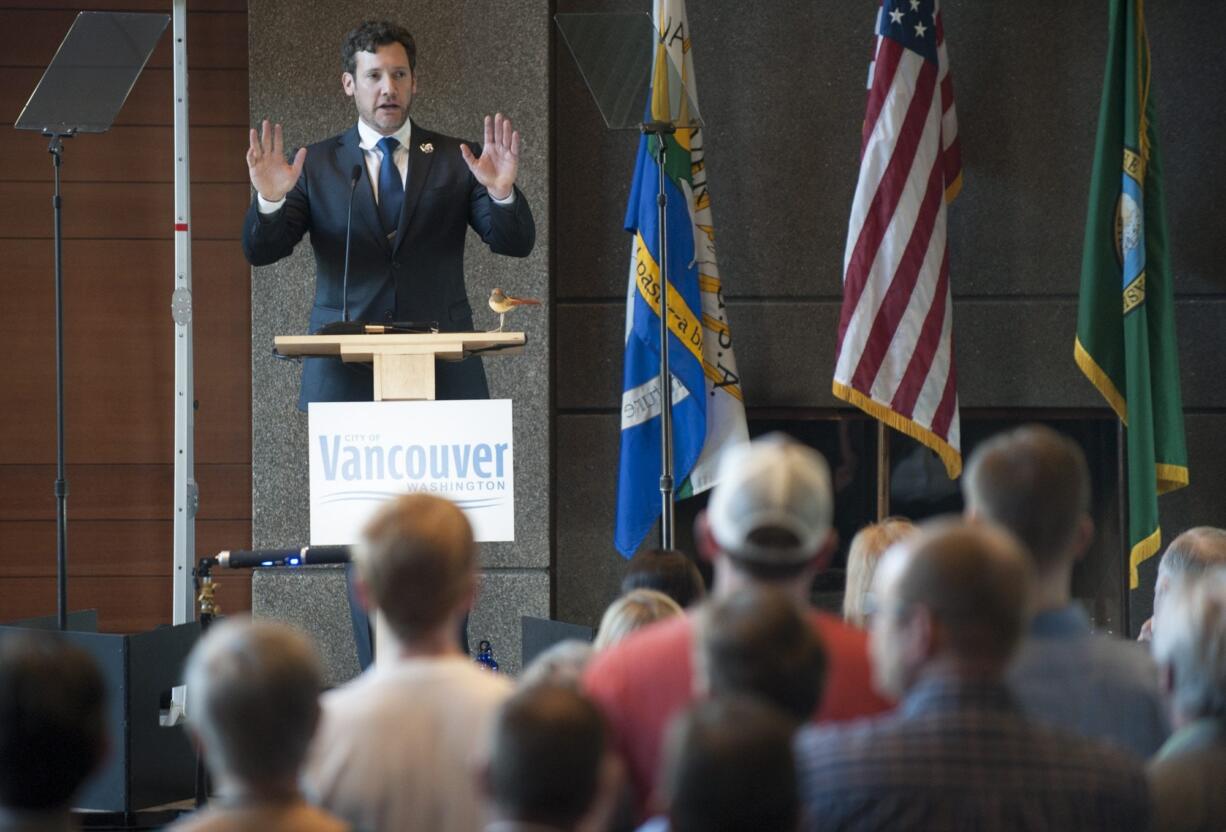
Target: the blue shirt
pixel 959 755
pixel 1093 685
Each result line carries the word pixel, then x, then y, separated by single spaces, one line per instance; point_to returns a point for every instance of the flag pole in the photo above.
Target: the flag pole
pixel 1122 495
pixel 883 471
pixel 660 129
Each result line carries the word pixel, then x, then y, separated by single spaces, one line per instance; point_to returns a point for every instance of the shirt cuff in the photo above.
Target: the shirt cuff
pixel 508 201
pixel 267 207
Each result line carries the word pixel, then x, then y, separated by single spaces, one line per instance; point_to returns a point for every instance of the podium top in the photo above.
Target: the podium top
pixel 445 345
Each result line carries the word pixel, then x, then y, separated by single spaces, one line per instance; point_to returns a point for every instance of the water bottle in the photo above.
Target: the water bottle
pixel 485 656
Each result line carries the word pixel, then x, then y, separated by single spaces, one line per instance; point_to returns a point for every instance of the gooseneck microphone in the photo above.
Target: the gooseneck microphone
pixel 306 556
pixel 353 189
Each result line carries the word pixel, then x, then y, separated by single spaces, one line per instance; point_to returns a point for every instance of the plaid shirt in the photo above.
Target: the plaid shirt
pixel 960 756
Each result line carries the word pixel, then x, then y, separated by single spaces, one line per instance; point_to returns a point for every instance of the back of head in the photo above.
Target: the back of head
pixel 1193 552
pixel 866 550
pixel 253 699
pixel 729 768
pixel 1033 482
pixel 1192 643
pixel 667 571
pixel 548 745
pixel 758 642
pixel 560 664
pixel 975 581
pixel 52 721
pixel 633 611
pixel 772 509
pixel 418 560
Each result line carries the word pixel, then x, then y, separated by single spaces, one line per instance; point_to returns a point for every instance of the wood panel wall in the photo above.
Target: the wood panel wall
pixel 119 351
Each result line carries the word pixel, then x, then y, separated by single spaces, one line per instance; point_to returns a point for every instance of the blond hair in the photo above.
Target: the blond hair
pixel 419 561
pixel 866 550
pixel 633 611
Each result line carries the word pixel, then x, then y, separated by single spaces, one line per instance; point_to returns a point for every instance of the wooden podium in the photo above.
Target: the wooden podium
pixel 403 363
pixel 403 371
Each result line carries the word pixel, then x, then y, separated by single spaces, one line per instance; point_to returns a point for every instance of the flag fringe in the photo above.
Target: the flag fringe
pixel 1144 550
pixel 1102 382
pixel 1171 477
pixel 953 189
pixel 948 454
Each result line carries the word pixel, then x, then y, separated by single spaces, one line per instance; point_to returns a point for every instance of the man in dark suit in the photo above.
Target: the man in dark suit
pixel 414 195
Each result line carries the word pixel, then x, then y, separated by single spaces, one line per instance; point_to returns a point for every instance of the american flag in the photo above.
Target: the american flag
pixel 895 347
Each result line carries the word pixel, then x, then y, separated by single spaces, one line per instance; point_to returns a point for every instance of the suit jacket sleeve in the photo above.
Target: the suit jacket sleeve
pixel 506 229
pixel 269 237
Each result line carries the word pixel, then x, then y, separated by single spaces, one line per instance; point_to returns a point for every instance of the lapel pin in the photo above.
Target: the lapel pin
pixel 426 147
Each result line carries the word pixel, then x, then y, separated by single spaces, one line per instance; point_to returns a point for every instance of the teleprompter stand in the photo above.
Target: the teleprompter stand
pixel 637 87
pixel 82 91
pixel 151 760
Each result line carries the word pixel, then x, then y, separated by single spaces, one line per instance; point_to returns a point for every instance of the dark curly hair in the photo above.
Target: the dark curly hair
pixel 370 35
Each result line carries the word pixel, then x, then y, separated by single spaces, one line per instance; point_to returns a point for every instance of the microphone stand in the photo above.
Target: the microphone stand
pixel 660 129
pixel 353 189
pixel 56 149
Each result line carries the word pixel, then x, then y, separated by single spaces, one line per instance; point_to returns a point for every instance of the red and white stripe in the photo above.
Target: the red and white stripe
pixel 895 341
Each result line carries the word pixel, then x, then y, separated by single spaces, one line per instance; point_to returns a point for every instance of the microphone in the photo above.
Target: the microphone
pixel 306 556
pixel 353 189
pixel 393 328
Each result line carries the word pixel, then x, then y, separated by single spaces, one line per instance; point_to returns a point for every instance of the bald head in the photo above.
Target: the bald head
pixel 1033 482
pixel 418 560
pixel 954 592
pixel 1187 558
pixel 1195 551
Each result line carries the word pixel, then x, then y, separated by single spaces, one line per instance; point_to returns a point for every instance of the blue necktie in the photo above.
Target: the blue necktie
pixel 391 188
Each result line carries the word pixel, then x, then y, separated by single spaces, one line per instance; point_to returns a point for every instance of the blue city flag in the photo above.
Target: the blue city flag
pixel 638 492
pixel 708 405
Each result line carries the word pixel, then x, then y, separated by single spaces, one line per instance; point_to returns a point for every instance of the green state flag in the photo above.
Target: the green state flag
pixel 1126 317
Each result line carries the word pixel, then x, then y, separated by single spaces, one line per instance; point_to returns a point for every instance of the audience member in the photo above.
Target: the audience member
pixel 253 704
pixel 1191 553
pixel 959 753
pixel 667 571
pixel 561 664
pixel 1035 483
pixel 754 645
pixel 52 729
pixel 1186 776
pixel 758 643
pixel 631 612
pixel 551 767
pixel 866 549
pixel 729 768
pixel 395 745
pixel 768 522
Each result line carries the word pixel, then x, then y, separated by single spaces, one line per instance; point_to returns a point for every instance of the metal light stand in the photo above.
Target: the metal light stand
pixel 56 149
pixel 660 129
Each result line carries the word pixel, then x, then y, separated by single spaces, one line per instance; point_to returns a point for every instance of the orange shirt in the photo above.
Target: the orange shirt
pixel 646 680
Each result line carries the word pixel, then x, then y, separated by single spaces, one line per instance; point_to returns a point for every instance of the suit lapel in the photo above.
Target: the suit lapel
pixel 419 169
pixel 365 213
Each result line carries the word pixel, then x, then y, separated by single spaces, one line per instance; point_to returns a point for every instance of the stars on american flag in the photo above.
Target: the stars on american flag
pixel 912 23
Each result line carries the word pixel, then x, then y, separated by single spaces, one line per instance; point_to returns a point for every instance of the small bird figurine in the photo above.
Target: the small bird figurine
pixel 502 303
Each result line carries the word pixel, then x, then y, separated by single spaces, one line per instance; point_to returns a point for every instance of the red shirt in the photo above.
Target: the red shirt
pixel 646 680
